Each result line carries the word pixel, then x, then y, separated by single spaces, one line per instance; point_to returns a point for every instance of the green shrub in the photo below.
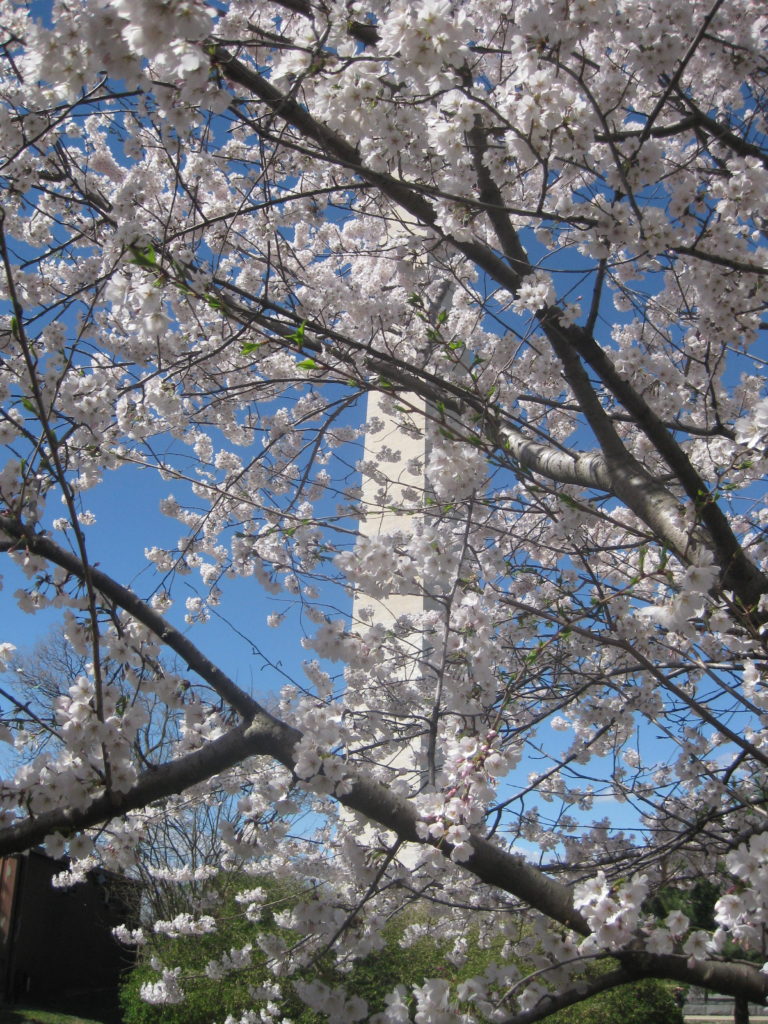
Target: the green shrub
pixel 372 978
pixel 206 1000
pixel 644 1002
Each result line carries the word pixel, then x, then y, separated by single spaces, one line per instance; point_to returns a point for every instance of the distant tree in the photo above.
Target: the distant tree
pixel 410 954
pixel 180 847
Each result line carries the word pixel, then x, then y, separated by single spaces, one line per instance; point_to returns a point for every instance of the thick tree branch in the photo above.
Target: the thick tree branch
pixel 555 1001
pixel 629 480
pixel 732 979
pixel 332 145
pixel 154 784
pixel 739 573
pixel 582 469
pixel 262 734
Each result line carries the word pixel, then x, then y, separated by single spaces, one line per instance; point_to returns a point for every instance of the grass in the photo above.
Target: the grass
pixel 30 1015
pixel 94 1008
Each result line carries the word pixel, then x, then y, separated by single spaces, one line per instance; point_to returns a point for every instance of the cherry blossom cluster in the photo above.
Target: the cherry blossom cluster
pixel 334 1002
pixel 166 991
pixel 468 783
pixel 613 916
pixel 234 960
pixel 185 924
pixel 741 911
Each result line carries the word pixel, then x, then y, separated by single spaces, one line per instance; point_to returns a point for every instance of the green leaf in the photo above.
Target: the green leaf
pixel 298 335
pixel 531 657
pixel 250 347
pixel 146 257
pixel 306 364
pixel 29 405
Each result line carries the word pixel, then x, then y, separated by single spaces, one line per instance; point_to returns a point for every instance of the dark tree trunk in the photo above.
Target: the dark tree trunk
pixel 740 1010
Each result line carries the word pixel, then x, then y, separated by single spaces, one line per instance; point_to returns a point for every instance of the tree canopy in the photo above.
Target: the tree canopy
pixel 536 233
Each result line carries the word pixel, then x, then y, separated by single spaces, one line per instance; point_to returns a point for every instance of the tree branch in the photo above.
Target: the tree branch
pixel 262 734
pixel 552 1002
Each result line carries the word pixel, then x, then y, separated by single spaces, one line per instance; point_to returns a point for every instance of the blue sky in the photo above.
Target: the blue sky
pixel 127 521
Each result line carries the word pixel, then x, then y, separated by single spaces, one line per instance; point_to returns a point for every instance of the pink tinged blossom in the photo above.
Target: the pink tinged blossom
pixel 456 471
pixel 432 1001
pixel 536 292
pixel 128 936
pixel 586 893
pixel 677 923
pixel 660 940
pixel 728 910
pixel 55 845
pixel 698 945
pixel 752 427
pixel 80 847
pixel 396 1011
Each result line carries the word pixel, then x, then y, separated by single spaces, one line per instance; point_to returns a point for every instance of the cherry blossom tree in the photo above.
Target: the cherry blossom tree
pixel 537 230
